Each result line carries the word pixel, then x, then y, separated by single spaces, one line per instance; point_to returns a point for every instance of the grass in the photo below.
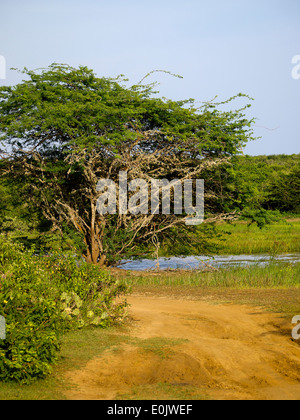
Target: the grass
pixel 272 275
pixel 278 238
pixel 162 347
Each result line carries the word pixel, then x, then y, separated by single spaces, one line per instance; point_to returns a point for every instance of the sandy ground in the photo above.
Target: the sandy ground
pixel 227 351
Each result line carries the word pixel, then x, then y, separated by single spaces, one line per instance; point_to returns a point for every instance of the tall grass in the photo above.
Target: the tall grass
pixel 279 238
pixel 272 275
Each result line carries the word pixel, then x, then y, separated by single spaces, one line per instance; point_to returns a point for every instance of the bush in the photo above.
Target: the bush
pixel 260 216
pixel 41 297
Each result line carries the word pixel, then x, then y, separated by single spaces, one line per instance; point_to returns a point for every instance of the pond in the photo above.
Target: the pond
pixel 201 262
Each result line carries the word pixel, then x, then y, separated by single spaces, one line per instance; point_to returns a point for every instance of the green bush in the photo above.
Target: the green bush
pixel 41 297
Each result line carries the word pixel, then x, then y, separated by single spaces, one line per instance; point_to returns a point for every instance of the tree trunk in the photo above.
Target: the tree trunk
pixel 94 252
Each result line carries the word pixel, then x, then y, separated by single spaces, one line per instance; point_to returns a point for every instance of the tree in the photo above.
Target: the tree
pixel 64 129
pixel 283 192
pixel 258 182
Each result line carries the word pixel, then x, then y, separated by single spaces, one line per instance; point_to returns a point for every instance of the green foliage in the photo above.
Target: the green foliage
pixel 42 297
pixel 255 184
pixel 268 182
pixel 283 191
pixel 202 240
pixel 260 216
pixel 62 106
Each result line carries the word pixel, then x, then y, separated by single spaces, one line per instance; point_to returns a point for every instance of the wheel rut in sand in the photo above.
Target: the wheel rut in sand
pixel 224 351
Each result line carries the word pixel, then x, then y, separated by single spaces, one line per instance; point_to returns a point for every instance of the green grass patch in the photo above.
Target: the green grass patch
pixel 272 275
pixel 159 346
pixel 278 238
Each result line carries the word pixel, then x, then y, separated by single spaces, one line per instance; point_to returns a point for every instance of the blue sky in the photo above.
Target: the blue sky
pixel 220 47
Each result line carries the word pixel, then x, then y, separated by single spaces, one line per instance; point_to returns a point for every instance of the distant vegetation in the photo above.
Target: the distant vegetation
pixel 258 183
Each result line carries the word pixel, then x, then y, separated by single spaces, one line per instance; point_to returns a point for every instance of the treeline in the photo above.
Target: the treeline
pixel 268 182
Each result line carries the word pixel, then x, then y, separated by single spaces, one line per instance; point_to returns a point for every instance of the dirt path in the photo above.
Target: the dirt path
pixel 226 351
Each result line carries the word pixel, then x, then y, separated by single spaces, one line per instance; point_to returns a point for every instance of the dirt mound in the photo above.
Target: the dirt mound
pixel 224 351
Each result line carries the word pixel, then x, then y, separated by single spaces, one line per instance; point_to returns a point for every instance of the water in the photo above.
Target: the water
pixel 201 262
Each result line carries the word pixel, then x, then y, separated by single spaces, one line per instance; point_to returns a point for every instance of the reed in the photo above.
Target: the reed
pixel 272 275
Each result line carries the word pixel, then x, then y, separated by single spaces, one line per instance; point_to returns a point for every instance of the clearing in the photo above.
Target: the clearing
pixel 180 347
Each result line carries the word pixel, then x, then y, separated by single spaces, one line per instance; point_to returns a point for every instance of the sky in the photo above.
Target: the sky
pixel 220 48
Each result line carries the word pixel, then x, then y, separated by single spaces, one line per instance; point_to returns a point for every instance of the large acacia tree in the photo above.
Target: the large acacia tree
pixel 63 129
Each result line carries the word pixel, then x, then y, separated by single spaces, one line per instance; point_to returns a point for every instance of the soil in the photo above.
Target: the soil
pixel 226 351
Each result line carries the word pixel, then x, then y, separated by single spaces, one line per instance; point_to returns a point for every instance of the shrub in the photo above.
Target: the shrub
pixel 41 297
